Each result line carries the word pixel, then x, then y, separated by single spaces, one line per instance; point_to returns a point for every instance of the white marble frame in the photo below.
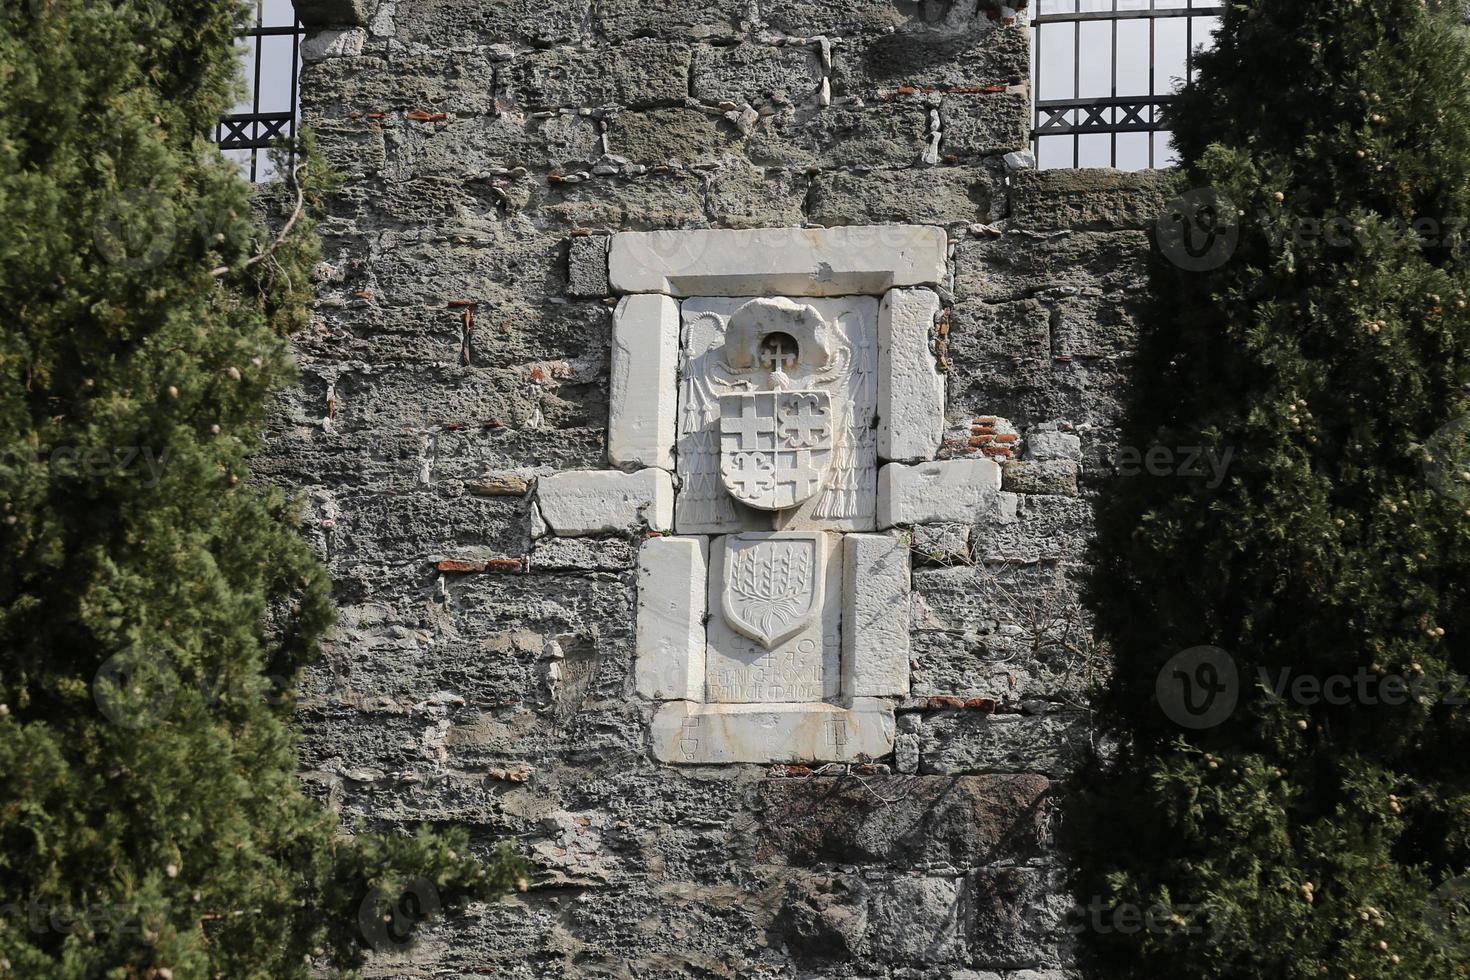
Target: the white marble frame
pixel 857 260
pixel 652 271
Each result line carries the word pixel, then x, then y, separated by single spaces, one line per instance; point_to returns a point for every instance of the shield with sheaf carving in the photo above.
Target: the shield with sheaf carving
pixel 775 446
pixel 773 584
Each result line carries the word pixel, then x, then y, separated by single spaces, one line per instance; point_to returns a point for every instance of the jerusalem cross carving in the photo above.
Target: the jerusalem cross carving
pixel 775 446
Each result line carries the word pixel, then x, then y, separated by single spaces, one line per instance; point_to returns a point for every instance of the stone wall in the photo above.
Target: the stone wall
pixel 482 672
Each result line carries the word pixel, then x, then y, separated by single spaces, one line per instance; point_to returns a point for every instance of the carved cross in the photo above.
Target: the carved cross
pixel 748 477
pixel 778 352
pixel 749 428
pixel 803 425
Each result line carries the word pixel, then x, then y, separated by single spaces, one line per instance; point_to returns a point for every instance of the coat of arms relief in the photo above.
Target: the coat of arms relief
pixel 776 457
pixel 777 399
pixel 759 379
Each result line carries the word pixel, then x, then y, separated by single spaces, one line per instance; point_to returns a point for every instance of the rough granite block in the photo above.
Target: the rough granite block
pixel 638 72
pixel 587 267
pixel 975 126
pixel 336 13
pixel 935 195
pixel 756 73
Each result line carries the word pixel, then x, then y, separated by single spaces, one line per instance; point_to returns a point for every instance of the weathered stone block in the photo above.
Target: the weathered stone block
pixel 936 195
pixel 671 612
pixel 975 126
pixel 915 920
pixel 875 615
pixel 906 753
pixel 807 18
pixel 960 490
pixel 1092 325
pixel 390 398
pixel 756 73
pixel 1000 358
pixel 973 741
pixel 893 134
pixel 972 57
pixel 353 150
pixel 1019 918
pixel 823 918
pixel 1049 529
pixel 605 501
pixel 1056 476
pixel 421 267
pixel 1017 266
pixel 1007 632
pixel 910 389
pixel 619 20
pixel 1090 200
pixel 456 24
pixel 671 136
pixel 462 82
pixel 336 13
pixel 321 45
pixel 941 544
pixel 667 200
pixel 415 526
pixel 699 734
pixel 932 821
pixel 638 72
pixel 1049 444
pixel 643 394
pixel 587 267
pixel 582 555
pixel 741 196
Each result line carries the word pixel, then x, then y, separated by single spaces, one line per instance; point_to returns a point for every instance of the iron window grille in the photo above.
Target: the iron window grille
pixel 1109 91
pixel 270 115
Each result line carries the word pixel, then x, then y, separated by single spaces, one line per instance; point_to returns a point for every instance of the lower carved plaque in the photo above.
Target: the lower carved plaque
pixel 776 607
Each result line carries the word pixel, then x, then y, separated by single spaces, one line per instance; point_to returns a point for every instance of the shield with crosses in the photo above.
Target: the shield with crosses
pixel 775 446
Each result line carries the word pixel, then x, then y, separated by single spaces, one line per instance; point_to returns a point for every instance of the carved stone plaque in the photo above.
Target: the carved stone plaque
pixel 771 347
pixel 764 375
pixel 774 630
pixel 775 446
pixel 773 585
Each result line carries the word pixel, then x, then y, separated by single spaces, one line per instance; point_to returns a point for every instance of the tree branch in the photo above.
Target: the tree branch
pixel 300 209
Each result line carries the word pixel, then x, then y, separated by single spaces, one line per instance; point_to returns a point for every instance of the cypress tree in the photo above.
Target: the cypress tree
pixel 1293 800
pixel 155 604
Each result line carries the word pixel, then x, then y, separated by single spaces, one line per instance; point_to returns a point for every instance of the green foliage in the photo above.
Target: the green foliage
pixel 1299 838
pixel 155 606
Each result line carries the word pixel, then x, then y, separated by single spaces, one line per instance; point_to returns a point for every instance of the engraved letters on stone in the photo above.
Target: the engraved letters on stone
pixel 775 446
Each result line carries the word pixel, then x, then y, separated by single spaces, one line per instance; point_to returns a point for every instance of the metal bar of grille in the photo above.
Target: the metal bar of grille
pixel 1077 84
pixel 1113 88
pixel 1158 14
pixel 256 131
pixel 1122 111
